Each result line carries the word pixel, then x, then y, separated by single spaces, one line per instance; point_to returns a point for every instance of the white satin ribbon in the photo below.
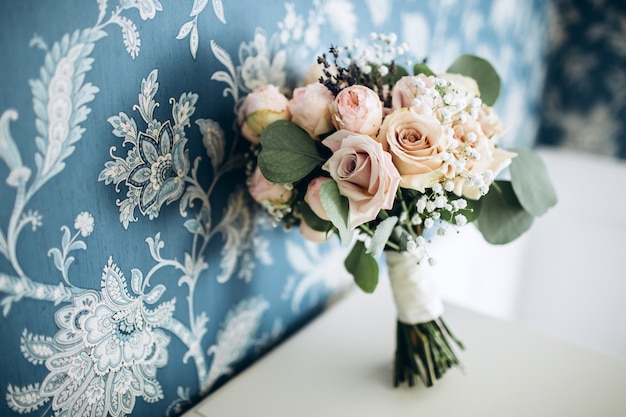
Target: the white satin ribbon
pixel 414 287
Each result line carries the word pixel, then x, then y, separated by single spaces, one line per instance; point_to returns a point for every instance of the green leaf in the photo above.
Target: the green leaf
pixel 502 217
pixel 337 208
pixel 483 72
pixel 381 236
pixel 312 220
pixel 531 182
pixel 422 68
pixel 288 153
pixel 363 268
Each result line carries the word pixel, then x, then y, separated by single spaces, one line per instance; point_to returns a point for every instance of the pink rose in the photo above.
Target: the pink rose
pixel 358 109
pixel 309 109
pixel 261 108
pixel 418 145
pixel 313 235
pixel 364 173
pixel 265 192
pixel 416 92
pixel 312 197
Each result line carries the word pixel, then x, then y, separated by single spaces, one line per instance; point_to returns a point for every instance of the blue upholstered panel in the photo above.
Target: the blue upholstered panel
pixel 135 275
pixel 584 100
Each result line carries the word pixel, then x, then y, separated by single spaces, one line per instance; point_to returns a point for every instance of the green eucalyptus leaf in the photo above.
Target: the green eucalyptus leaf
pixel 531 183
pixel 502 217
pixel 363 267
pixel 483 72
pixel 381 236
pixel 337 208
pixel 288 153
pixel 422 68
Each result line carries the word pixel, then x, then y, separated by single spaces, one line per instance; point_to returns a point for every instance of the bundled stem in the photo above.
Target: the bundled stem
pixel 424 350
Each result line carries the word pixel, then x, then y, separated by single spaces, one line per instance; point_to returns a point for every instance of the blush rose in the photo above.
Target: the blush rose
pixel 261 108
pixel 266 192
pixel 358 109
pixel 364 173
pixel 309 109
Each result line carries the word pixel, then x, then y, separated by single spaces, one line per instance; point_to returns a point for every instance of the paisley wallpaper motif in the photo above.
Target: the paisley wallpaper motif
pixel 136 276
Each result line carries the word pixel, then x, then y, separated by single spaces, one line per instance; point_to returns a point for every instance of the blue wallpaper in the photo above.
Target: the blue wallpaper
pixel 135 273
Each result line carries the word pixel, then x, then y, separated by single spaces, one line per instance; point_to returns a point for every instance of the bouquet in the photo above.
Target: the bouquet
pixel 386 160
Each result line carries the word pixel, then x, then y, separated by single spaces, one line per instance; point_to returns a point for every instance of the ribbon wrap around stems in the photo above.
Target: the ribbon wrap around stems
pixel 414 287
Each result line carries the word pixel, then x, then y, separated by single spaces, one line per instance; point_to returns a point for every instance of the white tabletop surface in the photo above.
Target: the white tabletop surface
pixel 341 365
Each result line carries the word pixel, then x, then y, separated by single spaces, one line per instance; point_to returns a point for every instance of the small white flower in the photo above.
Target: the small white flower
pixel 430 206
pixel 447 98
pixel 460 219
pixel 471 137
pixel 418 82
pixel 421 204
pixel 437 188
pixel 449 186
pixel 432 261
pixel 476 102
pixel 84 223
pixel 383 70
pixel 428 223
pixel 440 201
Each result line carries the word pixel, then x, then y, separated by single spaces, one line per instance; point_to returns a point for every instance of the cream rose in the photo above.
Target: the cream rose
pixel 266 192
pixel 462 84
pixel 481 156
pixel 261 108
pixel 309 109
pixel 418 144
pixel 364 173
pixel 417 92
pixel 490 123
pixel 358 109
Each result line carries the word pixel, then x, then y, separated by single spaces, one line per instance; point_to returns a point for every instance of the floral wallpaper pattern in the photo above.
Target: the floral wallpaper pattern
pixel 135 274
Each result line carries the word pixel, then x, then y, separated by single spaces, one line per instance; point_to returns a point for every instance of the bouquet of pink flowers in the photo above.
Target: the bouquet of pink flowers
pixel 384 160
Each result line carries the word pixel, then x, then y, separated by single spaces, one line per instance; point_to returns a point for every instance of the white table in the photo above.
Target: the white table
pixel 341 365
